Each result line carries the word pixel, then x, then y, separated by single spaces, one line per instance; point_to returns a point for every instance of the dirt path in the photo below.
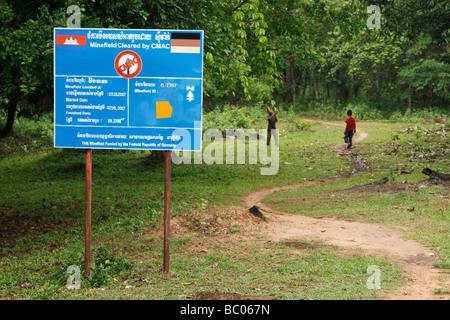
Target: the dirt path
pixel 374 239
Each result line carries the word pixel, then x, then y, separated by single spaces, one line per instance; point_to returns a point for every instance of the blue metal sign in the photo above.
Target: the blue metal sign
pixel 128 89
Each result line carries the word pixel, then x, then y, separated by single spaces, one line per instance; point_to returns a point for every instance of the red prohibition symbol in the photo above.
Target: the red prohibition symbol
pixel 128 64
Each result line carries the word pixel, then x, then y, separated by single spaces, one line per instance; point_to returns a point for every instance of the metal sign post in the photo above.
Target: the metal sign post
pixel 88 201
pixel 74 21
pixel 128 89
pixel 167 164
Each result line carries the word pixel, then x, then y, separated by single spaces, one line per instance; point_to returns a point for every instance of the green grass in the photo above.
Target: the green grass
pixel 42 209
pixel 276 271
pixel 427 223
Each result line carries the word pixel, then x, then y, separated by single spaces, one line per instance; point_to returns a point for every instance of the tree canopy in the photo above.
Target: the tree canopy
pixel 269 52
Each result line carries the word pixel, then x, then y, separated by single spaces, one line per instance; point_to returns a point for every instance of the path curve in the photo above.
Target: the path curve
pixel 371 237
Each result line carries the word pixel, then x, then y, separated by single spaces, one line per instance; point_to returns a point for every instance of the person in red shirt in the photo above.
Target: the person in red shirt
pixel 350 129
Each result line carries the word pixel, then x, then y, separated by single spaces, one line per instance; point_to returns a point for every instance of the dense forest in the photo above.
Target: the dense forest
pixel 299 54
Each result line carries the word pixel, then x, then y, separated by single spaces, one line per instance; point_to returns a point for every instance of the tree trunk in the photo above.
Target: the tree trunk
pixel 431 96
pixel 12 108
pixel 311 85
pixel 432 173
pixel 377 87
pixel 409 100
pixel 294 93
pixel 316 86
pixel 335 92
pixel 420 96
pixel 305 84
pixel 157 155
pixel 352 87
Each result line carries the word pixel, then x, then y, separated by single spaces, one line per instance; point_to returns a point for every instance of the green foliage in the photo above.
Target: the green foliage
pixel 295 124
pixel 425 70
pixel 237 56
pixel 415 115
pixel 413 18
pixel 237 118
pixel 35 129
pixel 302 125
pixel 289 51
pixel 395 137
pixel 355 64
pixel 26 53
pixel 369 111
pixel 375 60
pixel 29 134
pixel 106 267
pixel 64 259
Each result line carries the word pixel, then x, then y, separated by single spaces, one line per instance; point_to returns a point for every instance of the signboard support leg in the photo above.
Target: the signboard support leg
pixel 88 199
pixel 167 164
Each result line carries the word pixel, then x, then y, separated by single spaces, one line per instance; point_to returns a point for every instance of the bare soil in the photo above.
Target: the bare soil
pixel 371 238
pixel 303 231
pixel 374 239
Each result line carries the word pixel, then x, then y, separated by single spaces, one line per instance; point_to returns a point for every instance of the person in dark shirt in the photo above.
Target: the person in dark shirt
pixel 350 129
pixel 272 119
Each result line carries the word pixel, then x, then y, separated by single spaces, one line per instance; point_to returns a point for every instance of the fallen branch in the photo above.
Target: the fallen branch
pixel 446 129
pixel 441 131
pixel 432 173
pixel 407 130
pixel 437 120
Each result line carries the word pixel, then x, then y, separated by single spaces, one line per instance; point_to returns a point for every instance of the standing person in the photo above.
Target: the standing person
pixel 272 119
pixel 350 129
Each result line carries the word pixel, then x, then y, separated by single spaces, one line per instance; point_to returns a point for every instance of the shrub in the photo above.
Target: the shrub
pixel 416 115
pixel 107 266
pixel 294 122
pixel 237 118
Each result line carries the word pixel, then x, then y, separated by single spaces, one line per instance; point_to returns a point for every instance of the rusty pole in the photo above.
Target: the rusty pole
pixel 88 199
pixel 167 164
